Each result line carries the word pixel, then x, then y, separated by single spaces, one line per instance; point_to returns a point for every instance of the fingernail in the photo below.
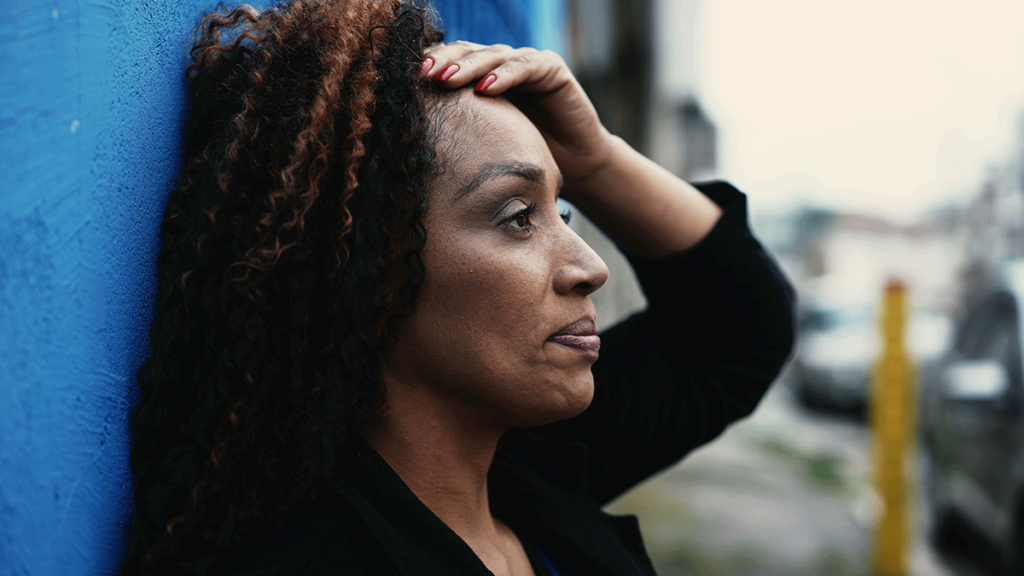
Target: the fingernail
pixel 428 63
pixel 487 81
pixel 448 72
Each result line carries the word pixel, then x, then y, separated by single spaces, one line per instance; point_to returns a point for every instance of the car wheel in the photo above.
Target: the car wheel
pixel 1015 553
pixel 807 395
pixel 945 532
pixel 947 535
pixel 1015 566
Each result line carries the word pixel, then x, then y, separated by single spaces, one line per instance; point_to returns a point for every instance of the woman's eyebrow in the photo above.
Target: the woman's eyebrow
pixel 526 171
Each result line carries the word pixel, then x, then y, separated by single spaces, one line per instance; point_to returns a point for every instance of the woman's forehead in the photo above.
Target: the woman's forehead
pixel 484 131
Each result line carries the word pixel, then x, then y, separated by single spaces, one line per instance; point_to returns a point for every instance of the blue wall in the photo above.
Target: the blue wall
pixel 537 23
pixel 91 106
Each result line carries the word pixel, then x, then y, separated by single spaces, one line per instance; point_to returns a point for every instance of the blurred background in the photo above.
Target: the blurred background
pixel 876 141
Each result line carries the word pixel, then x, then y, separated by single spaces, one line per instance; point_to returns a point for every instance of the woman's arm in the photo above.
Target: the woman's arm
pixel 717 330
pixel 661 214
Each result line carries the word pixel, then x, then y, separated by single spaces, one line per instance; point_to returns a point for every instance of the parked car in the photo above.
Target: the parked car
pixel 973 427
pixel 838 348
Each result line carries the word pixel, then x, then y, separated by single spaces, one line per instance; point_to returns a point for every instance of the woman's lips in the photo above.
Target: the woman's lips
pixel 581 335
pixel 591 344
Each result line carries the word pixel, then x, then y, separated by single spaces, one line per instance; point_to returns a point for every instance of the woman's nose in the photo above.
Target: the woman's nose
pixel 582 270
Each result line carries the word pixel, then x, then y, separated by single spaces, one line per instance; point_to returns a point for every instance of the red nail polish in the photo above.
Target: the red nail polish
pixel 486 82
pixel 448 72
pixel 428 63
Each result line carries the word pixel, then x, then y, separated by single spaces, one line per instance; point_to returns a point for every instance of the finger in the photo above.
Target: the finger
pixel 440 56
pixel 477 64
pixel 534 71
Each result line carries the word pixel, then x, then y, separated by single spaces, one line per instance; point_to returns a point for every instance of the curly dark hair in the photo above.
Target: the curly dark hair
pixel 291 254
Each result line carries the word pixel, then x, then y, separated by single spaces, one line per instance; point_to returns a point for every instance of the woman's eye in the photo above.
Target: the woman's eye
pixel 520 221
pixel 566 215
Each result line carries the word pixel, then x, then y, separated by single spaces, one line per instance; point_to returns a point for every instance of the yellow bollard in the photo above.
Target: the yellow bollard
pixel 893 421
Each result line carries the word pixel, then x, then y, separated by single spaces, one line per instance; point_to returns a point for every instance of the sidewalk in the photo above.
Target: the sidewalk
pixel 785 492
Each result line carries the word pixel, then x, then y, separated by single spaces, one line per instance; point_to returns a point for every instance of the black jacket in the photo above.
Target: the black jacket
pixel 717 330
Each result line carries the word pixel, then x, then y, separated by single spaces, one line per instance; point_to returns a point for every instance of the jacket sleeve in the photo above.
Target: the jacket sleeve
pixel 716 332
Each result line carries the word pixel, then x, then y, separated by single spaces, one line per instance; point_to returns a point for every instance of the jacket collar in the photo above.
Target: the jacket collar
pixel 539 486
pixel 536 487
pixel 414 538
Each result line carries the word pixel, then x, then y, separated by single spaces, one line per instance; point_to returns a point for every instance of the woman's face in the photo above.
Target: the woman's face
pixel 502 333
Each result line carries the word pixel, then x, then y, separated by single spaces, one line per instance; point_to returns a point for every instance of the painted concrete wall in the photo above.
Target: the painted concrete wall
pixel 91 106
pixel 537 23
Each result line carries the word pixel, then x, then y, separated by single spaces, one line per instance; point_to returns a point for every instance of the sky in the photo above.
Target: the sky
pixel 885 107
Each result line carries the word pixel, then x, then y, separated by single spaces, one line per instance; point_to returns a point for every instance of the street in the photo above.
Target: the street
pixel 785 492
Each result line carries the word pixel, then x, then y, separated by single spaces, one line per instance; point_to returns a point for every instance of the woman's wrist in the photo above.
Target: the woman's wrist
pixel 594 180
pixel 643 206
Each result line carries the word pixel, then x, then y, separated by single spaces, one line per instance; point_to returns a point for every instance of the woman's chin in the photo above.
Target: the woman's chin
pixel 570 401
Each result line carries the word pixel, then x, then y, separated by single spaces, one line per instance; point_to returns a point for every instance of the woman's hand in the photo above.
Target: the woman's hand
pixel 637 202
pixel 540 83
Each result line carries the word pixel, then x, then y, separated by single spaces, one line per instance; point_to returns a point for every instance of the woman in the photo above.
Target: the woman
pixel 374 349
